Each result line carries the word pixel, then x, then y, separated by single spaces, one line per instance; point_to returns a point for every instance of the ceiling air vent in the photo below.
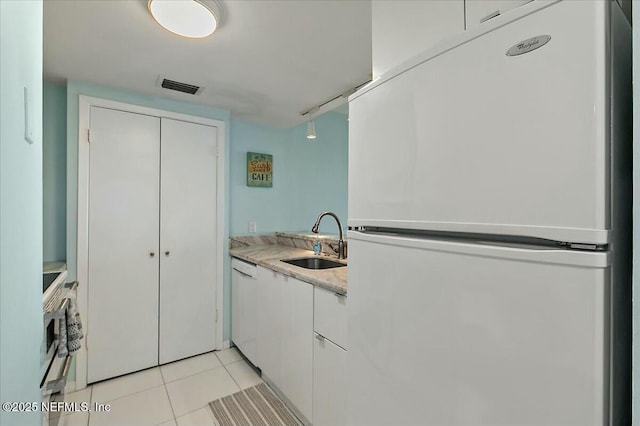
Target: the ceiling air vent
pixel 180 87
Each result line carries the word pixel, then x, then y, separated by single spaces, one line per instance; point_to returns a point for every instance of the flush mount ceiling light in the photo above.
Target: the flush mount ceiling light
pixel 188 18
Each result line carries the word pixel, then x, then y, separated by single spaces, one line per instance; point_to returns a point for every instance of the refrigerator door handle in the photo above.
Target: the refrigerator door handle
pixel 594 259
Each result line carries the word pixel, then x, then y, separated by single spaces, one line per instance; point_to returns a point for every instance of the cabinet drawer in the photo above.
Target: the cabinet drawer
pixel 330 316
pixel 329 384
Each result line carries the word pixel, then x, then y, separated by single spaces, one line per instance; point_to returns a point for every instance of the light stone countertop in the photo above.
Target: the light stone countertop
pixel 270 256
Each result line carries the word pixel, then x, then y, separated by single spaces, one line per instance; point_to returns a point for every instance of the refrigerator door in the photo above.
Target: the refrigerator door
pixel 473 140
pixel 450 333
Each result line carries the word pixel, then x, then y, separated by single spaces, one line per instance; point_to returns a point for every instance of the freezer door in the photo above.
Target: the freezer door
pixel 473 140
pixel 444 333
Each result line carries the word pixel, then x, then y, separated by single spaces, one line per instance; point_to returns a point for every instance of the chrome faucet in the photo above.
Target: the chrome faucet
pixel 341 247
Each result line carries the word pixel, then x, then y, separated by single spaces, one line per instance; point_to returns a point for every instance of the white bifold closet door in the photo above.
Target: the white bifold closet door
pixel 187 239
pixel 152 242
pixel 123 266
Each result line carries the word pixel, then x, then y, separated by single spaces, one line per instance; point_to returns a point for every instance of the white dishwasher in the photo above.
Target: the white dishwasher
pixel 244 308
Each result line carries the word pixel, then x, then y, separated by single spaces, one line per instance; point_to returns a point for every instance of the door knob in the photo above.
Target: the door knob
pixel 167 253
pixel 152 253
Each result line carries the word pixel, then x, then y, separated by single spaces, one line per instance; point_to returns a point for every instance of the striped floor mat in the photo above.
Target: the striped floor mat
pixel 255 406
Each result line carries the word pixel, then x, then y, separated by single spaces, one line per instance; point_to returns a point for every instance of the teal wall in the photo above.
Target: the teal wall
pixel 264 205
pixel 54 171
pixel 309 176
pixel 321 165
pixel 20 208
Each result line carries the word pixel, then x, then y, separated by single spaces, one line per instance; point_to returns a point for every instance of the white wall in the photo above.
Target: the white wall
pixel 20 208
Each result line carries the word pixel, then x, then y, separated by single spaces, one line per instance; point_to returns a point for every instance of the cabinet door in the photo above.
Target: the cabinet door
pixel 297 347
pixel 269 324
pixel 187 240
pixel 329 385
pixel 476 11
pixel 123 243
pixel 330 315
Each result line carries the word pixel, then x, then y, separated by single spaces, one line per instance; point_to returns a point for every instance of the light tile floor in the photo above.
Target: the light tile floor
pixel 174 394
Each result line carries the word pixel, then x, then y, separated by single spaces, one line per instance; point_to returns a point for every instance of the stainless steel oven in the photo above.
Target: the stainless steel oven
pixel 52 388
pixel 52 292
pixel 54 369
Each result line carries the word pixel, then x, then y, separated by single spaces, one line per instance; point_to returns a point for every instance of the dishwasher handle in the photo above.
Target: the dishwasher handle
pixel 245 268
pixel 243 273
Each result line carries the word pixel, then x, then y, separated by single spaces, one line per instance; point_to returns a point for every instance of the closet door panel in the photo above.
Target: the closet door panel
pixel 122 323
pixel 187 239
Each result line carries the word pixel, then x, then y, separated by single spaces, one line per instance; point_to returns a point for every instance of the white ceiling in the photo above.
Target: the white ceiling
pixel 267 62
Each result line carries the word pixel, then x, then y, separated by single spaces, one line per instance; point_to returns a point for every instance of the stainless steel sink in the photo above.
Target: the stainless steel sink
pixel 314 263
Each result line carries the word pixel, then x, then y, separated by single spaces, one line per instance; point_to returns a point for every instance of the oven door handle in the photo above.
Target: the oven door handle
pixel 58 384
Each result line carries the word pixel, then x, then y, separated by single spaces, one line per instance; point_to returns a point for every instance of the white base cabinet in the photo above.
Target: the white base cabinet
pixel 285 333
pixel 329 384
pixel 329 358
pixel 330 316
pixel 268 350
pixel 274 321
pixel 297 351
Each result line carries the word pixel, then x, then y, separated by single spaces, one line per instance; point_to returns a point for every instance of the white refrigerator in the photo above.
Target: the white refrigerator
pixel 490 223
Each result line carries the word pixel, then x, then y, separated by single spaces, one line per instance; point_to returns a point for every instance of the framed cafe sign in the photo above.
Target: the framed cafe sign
pixel 259 170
